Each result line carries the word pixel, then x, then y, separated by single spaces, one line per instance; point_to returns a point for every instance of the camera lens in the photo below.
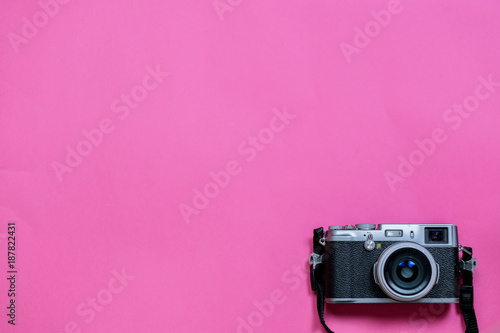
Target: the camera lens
pixel 406 271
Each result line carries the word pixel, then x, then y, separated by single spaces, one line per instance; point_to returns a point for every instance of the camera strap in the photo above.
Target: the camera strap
pixel 317 269
pixel 466 266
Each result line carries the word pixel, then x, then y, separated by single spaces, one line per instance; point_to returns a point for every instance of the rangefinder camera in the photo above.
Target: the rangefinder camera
pixel 391 263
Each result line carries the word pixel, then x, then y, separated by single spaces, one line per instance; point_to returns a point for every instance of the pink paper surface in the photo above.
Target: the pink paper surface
pixel 115 115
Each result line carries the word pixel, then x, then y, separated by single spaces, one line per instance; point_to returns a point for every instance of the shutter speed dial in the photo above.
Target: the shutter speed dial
pixel 365 226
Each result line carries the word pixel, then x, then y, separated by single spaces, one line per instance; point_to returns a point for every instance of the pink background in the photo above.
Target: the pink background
pixel 120 207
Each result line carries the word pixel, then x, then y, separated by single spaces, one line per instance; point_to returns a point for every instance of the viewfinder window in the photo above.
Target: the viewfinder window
pixel 436 235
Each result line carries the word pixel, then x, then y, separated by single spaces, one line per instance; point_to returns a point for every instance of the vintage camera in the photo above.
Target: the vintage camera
pixel 391 263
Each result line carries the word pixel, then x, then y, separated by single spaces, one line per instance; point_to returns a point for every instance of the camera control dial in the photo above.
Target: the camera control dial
pixel 335 227
pixel 365 226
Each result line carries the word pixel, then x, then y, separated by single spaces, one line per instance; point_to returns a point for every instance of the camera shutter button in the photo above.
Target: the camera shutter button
pixel 369 243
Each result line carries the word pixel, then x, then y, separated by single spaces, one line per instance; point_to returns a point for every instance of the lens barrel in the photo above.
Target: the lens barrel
pixel 406 271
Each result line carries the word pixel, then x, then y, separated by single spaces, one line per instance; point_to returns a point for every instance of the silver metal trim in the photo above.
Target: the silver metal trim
pixel 469 265
pixel 315 259
pixel 417 230
pixel 375 272
pixel 389 300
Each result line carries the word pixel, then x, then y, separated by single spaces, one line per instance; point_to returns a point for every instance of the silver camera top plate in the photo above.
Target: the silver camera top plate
pixel 427 235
